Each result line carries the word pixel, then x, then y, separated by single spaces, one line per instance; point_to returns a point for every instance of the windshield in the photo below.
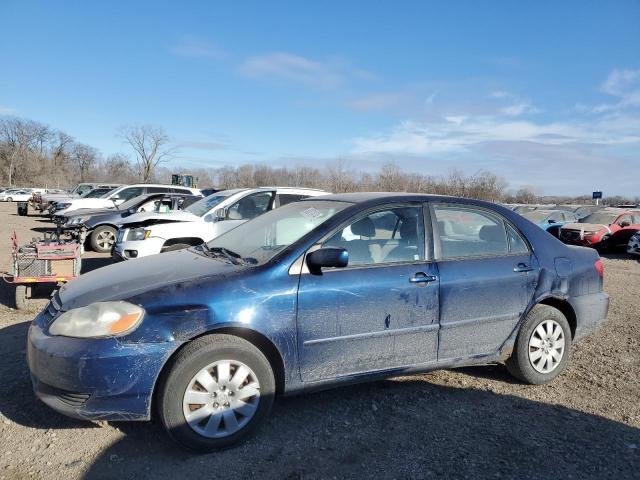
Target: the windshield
pixel 259 240
pixel 535 215
pixel 602 218
pixel 97 193
pixel 201 207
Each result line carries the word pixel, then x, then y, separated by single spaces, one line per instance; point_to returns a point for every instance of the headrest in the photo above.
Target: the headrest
pixel 492 233
pixel 364 228
pixel 409 229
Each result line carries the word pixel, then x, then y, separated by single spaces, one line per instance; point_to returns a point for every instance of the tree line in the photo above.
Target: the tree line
pixel 34 154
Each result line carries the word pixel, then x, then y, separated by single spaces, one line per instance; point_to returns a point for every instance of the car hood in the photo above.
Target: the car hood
pixel 149 218
pixel 126 279
pixel 585 227
pixel 83 212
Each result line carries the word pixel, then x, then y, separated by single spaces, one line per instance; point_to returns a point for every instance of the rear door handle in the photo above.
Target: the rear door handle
pixel 522 267
pixel 422 277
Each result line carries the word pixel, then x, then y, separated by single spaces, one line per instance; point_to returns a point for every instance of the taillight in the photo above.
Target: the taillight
pixel 599 268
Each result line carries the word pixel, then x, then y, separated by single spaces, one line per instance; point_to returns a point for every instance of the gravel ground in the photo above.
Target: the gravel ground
pixel 466 423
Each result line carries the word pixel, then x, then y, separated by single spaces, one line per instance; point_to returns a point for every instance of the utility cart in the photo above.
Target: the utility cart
pixel 47 260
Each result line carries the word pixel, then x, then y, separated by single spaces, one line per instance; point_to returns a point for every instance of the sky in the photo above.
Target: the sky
pixel 545 94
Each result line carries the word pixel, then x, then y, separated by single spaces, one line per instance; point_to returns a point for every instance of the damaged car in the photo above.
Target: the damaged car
pixel 604 229
pixel 152 233
pixel 324 291
pixel 100 226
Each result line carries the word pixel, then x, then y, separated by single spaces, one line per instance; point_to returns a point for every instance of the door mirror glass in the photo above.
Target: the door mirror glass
pixel 328 257
pixel 220 214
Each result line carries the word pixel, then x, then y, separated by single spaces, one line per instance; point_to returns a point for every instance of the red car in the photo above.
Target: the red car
pixel 603 229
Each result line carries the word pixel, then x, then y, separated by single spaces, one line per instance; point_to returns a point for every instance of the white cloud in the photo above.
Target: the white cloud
pixel 197 48
pixel 294 68
pixel 624 85
pixel 6 110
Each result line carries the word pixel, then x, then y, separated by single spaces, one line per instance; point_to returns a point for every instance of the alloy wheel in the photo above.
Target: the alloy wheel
pixel 106 239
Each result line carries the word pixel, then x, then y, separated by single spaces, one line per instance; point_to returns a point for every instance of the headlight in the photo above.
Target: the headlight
pixel 101 319
pixel 139 234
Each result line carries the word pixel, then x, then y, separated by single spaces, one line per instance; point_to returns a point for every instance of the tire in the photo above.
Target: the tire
pixel 103 238
pixel 530 348
pixel 21 297
pixel 9 199
pixel 211 352
pixel 176 246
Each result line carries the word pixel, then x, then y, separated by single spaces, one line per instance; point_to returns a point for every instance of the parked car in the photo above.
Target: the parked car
pixel 122 194
pixel 604 229
pixel 585 210
pixel 15 195
pixel 45 200
pixel 59 206
pixel 100 226
pixel 550 220
pixel 207 336
pixel 633 247
pixel 147 234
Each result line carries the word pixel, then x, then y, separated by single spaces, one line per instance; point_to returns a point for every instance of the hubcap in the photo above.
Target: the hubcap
pixel 106 239
pixel 221 399
pixel 546 346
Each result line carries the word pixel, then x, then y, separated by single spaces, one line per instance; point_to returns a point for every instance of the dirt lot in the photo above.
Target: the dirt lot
pixel 467 423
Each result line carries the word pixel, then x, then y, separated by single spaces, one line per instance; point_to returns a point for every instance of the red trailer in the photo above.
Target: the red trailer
pixel 42 261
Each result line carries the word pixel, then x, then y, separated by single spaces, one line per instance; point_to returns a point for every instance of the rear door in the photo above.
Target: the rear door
pixel 487 278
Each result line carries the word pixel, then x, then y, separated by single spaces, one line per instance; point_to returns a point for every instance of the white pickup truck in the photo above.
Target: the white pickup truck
pixel 145 234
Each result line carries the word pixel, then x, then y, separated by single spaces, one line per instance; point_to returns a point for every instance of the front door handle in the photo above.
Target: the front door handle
pixel 522 267
pixel 422 277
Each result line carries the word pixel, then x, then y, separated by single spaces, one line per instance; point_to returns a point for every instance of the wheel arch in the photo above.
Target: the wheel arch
pixel 567 310
pixel 257 339
pixel 193 241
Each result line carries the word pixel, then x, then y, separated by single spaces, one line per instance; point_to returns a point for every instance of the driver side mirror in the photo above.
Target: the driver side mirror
pixel 220 214
pixel 551 221
pixel 624 223
pixel 328 257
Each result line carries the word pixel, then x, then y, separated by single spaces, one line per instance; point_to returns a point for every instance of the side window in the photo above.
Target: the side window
pixel 469 232
pixel 286 198
pixel 158 189
pixel 129 193
pixel 183 191
pixel 516 242
pixel 623 219
pixel 556 217
pixel 149 206
pixel 388 236
pixel 250 206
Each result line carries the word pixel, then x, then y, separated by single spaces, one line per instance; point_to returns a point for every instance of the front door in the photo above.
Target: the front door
pixel 487 279
pixel 378 313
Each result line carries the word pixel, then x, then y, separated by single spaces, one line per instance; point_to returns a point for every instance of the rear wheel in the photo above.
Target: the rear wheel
pixel 543 346
pixel 216 393
pixel 22 297
pixel 103 238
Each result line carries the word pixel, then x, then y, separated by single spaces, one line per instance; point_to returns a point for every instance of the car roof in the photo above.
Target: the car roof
pixel 374 198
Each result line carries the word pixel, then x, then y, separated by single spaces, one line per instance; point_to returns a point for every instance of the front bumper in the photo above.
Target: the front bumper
pixel 95 379
pixel 591 312
pixel 143 248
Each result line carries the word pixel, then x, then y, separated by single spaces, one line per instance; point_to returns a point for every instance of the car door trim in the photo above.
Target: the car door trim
pixel 380 333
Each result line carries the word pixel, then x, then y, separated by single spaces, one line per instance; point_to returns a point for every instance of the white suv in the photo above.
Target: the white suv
pixel 120 195
pixel 145 234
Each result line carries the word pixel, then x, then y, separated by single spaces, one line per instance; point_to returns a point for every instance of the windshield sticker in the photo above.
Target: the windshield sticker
pixel 311 213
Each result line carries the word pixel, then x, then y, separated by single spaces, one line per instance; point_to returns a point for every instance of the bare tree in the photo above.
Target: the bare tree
pixel 84 158
pixel 150 144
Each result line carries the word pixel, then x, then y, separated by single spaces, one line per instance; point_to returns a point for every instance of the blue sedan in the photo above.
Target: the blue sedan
pixel 550 220
pixel 321 292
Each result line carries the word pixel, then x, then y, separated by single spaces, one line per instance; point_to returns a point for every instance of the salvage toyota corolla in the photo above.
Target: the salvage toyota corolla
pixel 328 290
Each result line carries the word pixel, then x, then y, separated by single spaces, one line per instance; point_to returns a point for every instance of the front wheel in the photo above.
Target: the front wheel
pixel 216 392
pixel 543 346
pixel 103 238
